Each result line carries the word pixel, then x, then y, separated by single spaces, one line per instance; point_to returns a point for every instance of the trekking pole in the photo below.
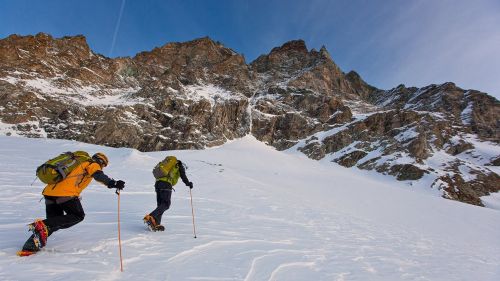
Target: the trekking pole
pixel 192 212
pixel 34 181
pixel 119 237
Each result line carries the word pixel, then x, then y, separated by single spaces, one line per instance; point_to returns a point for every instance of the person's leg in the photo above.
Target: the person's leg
pixel 52 210
pixel 55 207
pixel 74 214
pixel 163 196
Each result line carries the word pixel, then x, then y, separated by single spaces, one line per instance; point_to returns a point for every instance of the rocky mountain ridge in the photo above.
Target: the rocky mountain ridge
pixel 200 93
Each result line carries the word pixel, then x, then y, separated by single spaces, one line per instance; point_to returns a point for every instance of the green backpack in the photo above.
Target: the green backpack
pixel 57 169
pixel 164 168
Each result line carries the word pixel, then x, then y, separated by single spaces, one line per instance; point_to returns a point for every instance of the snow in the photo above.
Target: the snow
pixel 91 71
pixel 483 152
pixel 467 172
pixel 10 79
pixel 76 93
pixel 435 115
pixel 211 93
pixel 435 98
pixel 8 129
pixel 466 114
pixel 261 214
pixel 492 201
pixel 322 135
pixel 360 107
pixel 438 164
pixel 12 129
pixel 389 99
pixel 406 135
pixel 415 95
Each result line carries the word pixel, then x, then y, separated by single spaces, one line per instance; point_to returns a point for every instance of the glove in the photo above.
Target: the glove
pixel 116 184
pixel 190 184
pixel 120 185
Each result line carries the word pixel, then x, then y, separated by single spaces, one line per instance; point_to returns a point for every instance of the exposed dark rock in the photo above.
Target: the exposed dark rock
pixel 292 114
pixel 351 158
pixel 406 172
pixel 313 150
pixel 359 86
pixel 419 147
pixel 459 148
pixel 456 188
pixel 495 161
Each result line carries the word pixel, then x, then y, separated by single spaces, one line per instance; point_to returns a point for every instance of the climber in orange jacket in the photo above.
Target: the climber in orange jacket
pixel 62 202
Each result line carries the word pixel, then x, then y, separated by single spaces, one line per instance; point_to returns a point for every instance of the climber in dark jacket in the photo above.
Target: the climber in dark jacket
pixel 163 186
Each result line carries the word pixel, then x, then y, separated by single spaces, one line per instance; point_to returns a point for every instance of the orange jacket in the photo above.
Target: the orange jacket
pixel 75 182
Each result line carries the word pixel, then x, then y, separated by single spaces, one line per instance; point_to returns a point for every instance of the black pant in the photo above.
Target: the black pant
pixel 163 195
pixel 56 217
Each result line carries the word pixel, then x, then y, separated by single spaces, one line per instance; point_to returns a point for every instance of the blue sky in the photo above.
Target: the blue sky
pixel 387 42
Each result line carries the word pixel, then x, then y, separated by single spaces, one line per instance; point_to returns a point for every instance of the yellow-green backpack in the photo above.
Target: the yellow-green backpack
pixel 57 169
pixel 164 168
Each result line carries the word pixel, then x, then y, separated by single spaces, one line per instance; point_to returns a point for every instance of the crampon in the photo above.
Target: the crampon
pixel 36 241
pixel 150 222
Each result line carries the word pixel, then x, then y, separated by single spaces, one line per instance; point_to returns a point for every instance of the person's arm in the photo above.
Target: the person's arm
pixel 101 177
pixel 95 170
pixel 182 172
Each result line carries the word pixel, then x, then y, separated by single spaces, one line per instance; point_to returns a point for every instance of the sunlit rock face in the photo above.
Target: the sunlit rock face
pixel 198 94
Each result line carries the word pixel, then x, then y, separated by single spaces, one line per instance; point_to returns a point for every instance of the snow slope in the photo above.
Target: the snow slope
pixel 261 215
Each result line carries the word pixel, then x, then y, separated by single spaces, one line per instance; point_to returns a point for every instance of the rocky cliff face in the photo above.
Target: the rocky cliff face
pixel 169 98
pixel 298 92
pixel 199 94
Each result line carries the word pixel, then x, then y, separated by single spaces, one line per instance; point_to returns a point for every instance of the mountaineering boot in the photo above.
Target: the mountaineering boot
pixel 40 232
pixel 150 222
pixel 159 228
pixel 36 241
pixel 30 247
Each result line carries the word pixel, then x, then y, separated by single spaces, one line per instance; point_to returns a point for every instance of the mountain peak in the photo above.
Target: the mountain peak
pixel 43 35
pixel 198 45
pixel 293 45
pixel 203 41
pixel 324 53
pixel 44 39
pixel 40 48
pixel 292 55
pixel 361 88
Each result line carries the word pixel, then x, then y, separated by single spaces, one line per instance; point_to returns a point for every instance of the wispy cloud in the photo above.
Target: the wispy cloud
pixel 117 28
